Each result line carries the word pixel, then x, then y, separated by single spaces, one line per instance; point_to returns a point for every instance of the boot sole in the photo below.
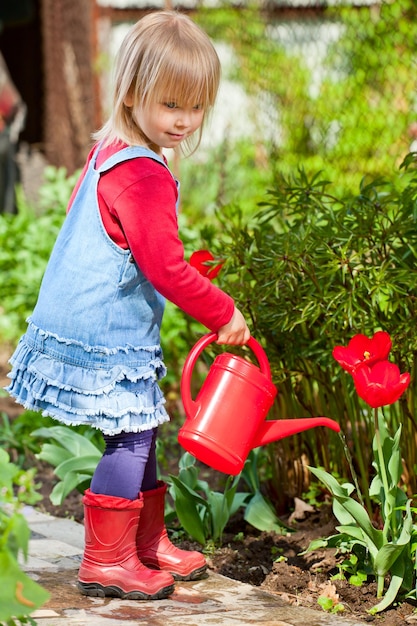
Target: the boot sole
pixel 98 591
pixel 201 572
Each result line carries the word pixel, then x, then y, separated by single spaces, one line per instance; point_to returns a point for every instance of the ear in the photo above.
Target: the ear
pixel 128 101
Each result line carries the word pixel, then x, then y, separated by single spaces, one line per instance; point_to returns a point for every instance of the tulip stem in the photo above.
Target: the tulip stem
pixel 380 586
pixel 382 467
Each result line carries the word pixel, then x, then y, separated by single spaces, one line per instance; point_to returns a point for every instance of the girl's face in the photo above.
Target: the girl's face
pixel 166 124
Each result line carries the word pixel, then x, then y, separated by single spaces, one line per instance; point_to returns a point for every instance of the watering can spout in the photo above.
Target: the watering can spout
pixel 274 430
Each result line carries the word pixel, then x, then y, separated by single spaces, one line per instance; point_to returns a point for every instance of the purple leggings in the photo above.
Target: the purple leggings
pixel 127 466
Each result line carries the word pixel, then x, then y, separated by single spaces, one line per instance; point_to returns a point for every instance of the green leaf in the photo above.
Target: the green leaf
pixel 87 464
pixel 186 508
pixel 394 460
pixel 353 531
pixel 64 487
pixel 386 557
pixel 8 471
pixel 331 483
pixel 249 472
pixel 189 476
pixel 19 594
pixel 238 501
pixel 325 602
pixel 53 454
pixel 340 513
pixel 186 461
pixel 397 577
pixel 191 494
pixel 20 531
pixel 358 579
pixel 72 441
pixel 234 499
pixel 389 553
pixel 376 486
pixel 316 544
pixel 259 514
pixel 219 513
pixel 230 489
pixel 372 536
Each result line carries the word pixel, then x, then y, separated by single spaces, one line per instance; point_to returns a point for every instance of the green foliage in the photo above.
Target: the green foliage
pixel 55 192
pixel 203 513
pixel 372 97
pixel 26 241
pixel 309 271
pixel 351 566
pixel 259 512
pixel 19 594
pixel 350 115
pixel 73 455
pixel 390 550
pixel 231 172
pixel 15 436
pixel 337 263
pixel 328 605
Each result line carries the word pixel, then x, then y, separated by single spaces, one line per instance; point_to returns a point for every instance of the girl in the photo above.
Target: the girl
pixel 91 353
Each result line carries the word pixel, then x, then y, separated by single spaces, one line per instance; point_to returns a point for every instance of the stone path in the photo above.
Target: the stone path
pixel 55 552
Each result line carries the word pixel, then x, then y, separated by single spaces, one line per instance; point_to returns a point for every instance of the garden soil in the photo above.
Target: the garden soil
pixel 277 563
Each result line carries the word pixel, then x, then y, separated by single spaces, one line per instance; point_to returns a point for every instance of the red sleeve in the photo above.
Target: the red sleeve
pixel 146 212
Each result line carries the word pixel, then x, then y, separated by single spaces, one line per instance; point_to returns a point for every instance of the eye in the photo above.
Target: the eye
pixel 170 105
pixel 198 107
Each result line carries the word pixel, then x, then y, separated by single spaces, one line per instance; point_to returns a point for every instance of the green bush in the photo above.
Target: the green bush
pixel 309 271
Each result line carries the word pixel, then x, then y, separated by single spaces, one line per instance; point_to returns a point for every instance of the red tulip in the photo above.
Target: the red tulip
pixel 201 260
pixel 380 384
pixel 362 350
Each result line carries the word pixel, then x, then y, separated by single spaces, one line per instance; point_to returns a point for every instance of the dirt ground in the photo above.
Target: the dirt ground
pixel 267 560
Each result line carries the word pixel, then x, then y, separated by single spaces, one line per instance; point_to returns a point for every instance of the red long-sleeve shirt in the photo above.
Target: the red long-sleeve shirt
pixel 137 200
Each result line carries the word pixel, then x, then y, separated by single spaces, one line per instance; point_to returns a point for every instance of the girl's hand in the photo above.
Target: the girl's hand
pixel 234 332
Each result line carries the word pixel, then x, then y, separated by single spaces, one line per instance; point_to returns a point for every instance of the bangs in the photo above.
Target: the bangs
pixel 184 88
pixel 187 76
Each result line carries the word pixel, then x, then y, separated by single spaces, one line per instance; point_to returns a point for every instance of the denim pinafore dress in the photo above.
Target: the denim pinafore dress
pixel 91 353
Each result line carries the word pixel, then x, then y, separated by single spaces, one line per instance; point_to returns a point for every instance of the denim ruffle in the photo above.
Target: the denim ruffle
pixel 106 395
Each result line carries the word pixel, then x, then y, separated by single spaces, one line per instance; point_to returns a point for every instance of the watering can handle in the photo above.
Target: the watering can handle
pixel 195 353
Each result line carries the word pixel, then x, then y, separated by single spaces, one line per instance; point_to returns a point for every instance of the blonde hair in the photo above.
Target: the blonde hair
pixel 164 55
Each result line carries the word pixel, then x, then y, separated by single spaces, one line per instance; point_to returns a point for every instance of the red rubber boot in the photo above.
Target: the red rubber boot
pixel 155 549
pixel 110 566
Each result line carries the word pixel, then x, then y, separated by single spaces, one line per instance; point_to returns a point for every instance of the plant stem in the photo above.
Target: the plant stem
pixel 381 467
pixel 380 586
pixel 352 408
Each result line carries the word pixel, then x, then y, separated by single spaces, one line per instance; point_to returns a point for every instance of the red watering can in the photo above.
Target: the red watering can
pixel 227 418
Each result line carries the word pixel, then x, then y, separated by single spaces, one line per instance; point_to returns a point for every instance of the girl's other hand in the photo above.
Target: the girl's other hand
pixel 234 332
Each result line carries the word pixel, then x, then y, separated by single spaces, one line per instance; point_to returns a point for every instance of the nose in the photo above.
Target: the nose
pixel 184 119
